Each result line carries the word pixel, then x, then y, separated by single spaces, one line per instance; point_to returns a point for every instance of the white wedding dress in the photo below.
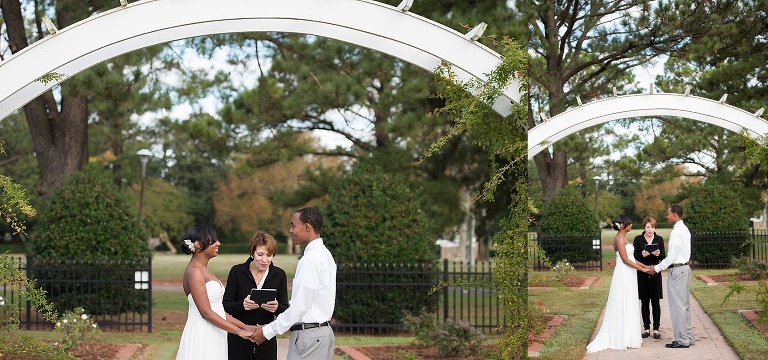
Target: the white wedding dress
pixel 200 339
pixel 622 324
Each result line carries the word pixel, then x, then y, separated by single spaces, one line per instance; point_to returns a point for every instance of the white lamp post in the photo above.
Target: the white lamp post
pixel 144 155
pixel 597 182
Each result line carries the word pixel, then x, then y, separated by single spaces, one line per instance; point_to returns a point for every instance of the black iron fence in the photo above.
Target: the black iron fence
pixel 117 294
pixel 450 290
pixel 717 249
pixel 583 251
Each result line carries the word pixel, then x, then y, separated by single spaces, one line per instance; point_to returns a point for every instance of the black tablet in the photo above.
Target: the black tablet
pixel 261 296
pixel 651 247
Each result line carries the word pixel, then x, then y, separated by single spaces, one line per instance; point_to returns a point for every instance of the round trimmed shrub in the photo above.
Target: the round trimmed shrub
pixel 377 233
pixel 718 224
pixel 567 227
pixel 87 245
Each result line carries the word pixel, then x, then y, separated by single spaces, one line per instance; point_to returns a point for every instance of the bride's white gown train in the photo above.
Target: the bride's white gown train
pixel 622 324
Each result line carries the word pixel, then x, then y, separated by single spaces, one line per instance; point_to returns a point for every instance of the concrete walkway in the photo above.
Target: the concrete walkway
pixel 710 344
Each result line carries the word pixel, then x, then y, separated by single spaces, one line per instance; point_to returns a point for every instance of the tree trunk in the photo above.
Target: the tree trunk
pixel 553 173
pixel 60 138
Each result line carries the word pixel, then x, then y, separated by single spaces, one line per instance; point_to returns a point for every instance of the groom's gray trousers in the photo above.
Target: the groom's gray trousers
pixel 678 291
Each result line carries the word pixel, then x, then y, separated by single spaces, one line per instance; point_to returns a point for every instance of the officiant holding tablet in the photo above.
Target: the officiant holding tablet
pixel 649 250
pixel 269 286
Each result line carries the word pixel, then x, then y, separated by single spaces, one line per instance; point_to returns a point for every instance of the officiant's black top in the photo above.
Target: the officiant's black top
pixel 649 286
pixel 239 284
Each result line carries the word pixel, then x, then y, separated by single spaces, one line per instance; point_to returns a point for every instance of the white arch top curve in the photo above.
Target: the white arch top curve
pixel 639 105
pixel 370 24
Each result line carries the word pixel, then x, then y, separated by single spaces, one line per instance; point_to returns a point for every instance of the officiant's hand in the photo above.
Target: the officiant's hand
pixel 656 252
pixel 645 253
pixel 270 306
pixel 248 304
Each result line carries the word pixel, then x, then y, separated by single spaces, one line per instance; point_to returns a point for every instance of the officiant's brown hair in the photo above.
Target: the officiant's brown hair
pixel 262 238
pixel 649 220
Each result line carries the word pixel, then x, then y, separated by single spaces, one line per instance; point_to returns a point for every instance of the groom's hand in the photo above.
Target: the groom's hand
pixel 258 336
pixel 652 270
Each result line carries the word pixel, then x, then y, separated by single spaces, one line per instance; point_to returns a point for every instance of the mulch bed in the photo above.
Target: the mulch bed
pixel 726 278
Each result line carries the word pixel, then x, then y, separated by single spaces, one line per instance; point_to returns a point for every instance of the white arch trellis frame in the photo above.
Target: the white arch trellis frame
pixel 638 105
pixel 370 24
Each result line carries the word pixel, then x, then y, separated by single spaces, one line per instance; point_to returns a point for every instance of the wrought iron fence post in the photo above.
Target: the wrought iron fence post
pixel 445 289
pixel 29 302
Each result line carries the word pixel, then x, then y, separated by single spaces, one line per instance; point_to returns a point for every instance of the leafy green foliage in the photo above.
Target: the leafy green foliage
pixel 715 217
pixel 568 213
pixel 507 139
pixel 76 327
pixel 376 219
pixel 755 268
pixel 89 223
pixel 452 338
pixel 714 207
pixel 567 227
pixel 27 345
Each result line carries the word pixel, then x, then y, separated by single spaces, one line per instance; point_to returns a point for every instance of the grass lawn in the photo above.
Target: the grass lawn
pixel 583 308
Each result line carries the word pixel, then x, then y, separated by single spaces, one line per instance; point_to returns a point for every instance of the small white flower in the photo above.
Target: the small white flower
pixel 189 245
pixel 64 321
pixel 2 302
pixel 84 317
pixel 58 324
pixel 93 325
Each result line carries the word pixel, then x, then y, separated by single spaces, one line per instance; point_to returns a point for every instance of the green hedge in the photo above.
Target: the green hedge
pixel 374 218
pixel 567 228
pixel 89 220
pixel 718 223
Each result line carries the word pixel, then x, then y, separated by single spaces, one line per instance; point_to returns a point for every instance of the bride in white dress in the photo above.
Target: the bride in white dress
pixel 205 333
pixel 621 327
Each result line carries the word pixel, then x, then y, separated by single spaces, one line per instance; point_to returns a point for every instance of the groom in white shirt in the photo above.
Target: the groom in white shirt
pixel 679 279
pixel 313 295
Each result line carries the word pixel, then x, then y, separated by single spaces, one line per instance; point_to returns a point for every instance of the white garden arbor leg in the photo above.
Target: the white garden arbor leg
pixel 370 24
pixel 639 105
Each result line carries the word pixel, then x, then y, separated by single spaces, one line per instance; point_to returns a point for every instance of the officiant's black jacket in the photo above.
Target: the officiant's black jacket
pixel 239 285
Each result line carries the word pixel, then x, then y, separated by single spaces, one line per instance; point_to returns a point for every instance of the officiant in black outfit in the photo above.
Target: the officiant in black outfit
pixel 649 250
pixel 257 272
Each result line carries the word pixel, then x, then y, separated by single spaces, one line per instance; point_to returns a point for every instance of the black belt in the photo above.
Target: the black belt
pixel 305 326
pixel 675 265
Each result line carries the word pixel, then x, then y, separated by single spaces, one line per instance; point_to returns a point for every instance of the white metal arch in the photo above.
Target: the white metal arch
pixel 638 105
pixel 370 24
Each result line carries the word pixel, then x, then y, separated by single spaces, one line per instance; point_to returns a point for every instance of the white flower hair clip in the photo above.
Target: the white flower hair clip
pixel 617 225
pixel 189 245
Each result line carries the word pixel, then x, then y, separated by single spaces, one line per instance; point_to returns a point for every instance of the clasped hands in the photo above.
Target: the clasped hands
pixel 253 333
pixel 648 269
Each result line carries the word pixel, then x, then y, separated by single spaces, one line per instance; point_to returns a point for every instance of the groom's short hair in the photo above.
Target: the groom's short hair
pixel 677 209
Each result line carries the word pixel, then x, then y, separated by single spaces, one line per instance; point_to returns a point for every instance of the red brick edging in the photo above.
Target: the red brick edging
pixel 751 316
pixel 353 353
pixel 533 348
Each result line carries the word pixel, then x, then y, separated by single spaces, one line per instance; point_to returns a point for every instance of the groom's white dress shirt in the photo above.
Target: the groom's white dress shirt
pixel 679 247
